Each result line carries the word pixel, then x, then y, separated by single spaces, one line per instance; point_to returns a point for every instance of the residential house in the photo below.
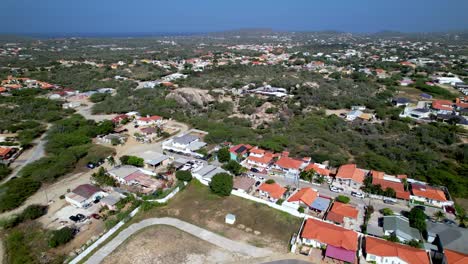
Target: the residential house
pixel 343 214
pixel 207 172
pixel 447 236
pixel 154 159
pixel 381 251
pixel 239 152
pixel 449 80
pixel 444 107
pixel 401 101
pixel 84 195
pixel 386 181
pixel 185 144
pixel 111 200
pixel 399 226
pixel 351 116
pixel 340 243
pixel 243 184
pixel 272 191
pixel 320 204
pixel 302 198
pixel 259 159
pixel 133 176
pixel 319 169
pixel 454 257
pixel 289 167
pixel 350 175
pixel 430 195
pixel 149 121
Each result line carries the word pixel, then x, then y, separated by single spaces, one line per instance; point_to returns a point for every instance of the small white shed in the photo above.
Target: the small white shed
pixel 230 219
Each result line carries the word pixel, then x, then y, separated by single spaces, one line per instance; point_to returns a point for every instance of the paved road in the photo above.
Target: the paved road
pixel 2 252
pixel 201 233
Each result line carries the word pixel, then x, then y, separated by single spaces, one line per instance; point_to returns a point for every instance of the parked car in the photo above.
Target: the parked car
pixel 74 218
pixel 96 216
pixel 254 170
pixel 357 194
pixel 389 201
pixel 80 217
pixel 257 183
pixel 336 189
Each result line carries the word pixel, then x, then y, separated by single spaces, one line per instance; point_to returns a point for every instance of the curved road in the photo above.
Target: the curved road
pixel 201 233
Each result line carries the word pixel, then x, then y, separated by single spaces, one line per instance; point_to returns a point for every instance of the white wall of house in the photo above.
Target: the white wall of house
pixel 312 243
pixel 384 260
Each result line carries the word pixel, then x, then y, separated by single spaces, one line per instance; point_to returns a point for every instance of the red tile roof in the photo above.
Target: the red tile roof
pixel 454 257
pixel 350 171
pixel 274 189
pixel 266 159
pixel 305 195
pixel 330 234
pixel 86 190
pixel 4 151
pixel 398 187
pixel 257 151
pixel 428 192
pixel 377 174
pixel 316 168
pixel 340 210
pixel 442 105
pixel 384 248
pixel 235 148
pixel 150 118
pixel 289 163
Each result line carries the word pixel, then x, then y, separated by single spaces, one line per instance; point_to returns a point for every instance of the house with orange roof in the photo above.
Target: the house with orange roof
pixel 302 198
pixel 444 107
pixel 397 186
pixel 381 251
pixel 272 191
pixel 454 257
pixel 376 174
pixel 240 151
pixel 287 166
pixel 343 214
pixel 350 175
pixel 428 194
pixel 149 120
pixel 259 159
pixel 319 169
pixel 340 243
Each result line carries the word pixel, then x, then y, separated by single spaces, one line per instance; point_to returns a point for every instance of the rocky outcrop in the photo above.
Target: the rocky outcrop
pixel 191 96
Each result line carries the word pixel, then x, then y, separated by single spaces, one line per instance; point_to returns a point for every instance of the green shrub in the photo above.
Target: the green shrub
pixel 184 175
pixel 342 199
pixel 60 237
pixel 224 155
pixel 132 160
pixel 270 181
pixel 221 184
pixel 386 211
pixel 300 209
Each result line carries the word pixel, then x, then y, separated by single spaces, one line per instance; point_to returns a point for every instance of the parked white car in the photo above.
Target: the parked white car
pixel 357 194
pixel 336 189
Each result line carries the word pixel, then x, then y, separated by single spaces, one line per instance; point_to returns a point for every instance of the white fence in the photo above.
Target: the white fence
pixel 114 229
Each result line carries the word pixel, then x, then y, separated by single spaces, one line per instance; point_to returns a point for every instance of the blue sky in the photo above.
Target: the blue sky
pixel 140 16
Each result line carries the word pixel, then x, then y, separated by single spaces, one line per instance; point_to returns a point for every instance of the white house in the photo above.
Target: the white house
pixel 84 195
pixel 449 80
pixel 381 251
pixel 149 120
pixel 186 144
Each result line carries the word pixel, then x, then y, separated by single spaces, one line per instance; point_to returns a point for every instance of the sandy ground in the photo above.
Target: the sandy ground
pixel 164 244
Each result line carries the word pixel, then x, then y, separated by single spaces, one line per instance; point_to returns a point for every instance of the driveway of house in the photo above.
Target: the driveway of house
pixel 201 233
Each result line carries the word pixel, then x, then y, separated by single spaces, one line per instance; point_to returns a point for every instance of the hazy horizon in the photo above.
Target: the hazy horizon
pixel 189 17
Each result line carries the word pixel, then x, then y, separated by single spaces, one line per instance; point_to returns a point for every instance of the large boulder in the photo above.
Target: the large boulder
pixel 191 96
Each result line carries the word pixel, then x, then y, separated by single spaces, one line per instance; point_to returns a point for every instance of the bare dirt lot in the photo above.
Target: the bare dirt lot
pixel 164 244
pixel 256 224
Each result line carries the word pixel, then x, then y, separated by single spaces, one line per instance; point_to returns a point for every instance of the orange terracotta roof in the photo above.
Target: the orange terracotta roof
pixel 316 168
pixel 340 210
pixel 454 257
pixel 377 174
pixel 236 147
pixel 428 192
pixel 266 159
pixel 289 163
pixel 442 105
pixel 150 118
pixel 274 189
pixel 384 248
pixel 4 151
pixel 2 89
pixel 330 234
pixel 350 171
pixel 305 195
pixel 402 176
pixel 257 150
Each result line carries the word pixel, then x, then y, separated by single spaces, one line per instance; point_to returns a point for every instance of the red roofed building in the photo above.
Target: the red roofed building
pixel 259 158
pixel 454 257
pixel 118 119
pixel 382 251
pixel 340 243
pixel 442 106
pixel 149 120
pixel 84 195
pixel 289 166
pixel 319 169
pixel 272 191
pixel 398 187
pixel 6 152
pixel 430 195
pixel 302 198
pixel 343 214
pixel 351 175
pixel 377 174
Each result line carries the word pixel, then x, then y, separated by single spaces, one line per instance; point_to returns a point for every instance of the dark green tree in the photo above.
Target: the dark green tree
pixel 224 155
pixel 221 184
pixel 417 219
pixel 183 175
